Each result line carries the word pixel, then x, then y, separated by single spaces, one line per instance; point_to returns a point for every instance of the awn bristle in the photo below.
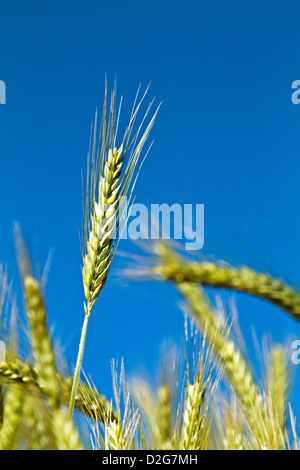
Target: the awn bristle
pixel 111 170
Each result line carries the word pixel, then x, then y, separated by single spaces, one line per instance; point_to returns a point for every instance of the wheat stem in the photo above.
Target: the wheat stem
pixel 79 360
pixel 18 373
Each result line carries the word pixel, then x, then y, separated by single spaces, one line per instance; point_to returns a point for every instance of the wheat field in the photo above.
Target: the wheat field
pixel 208 396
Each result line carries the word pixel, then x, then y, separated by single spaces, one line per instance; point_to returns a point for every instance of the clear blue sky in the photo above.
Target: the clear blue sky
pixel 227 136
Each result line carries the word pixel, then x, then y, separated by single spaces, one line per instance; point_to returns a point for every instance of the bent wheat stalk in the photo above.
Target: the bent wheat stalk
pixel 110 178
pixel 242 279
pixel 87 400
pixel 236 369
pixel 192 416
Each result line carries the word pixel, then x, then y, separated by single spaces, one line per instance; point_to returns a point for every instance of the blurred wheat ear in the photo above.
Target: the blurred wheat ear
pixel 111 176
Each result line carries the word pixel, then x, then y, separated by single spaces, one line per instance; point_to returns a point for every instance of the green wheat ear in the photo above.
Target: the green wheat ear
pixel 241 279
pixel 111 176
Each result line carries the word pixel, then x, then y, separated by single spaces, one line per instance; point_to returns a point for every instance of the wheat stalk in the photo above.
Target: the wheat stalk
pixel 114 436
pixel 192 416
pixel 42 346
pixel 201 388
pixel 110 179
pixel 118 433
pixel 90 402
pixel 278 383
pixel 66 434
pixel 242 279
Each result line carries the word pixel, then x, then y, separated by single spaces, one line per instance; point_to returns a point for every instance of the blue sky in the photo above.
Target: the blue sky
pixel 227 136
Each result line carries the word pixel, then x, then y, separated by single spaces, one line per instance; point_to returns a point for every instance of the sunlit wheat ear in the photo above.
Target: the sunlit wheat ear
pixel 192 415
pixel 199 400
pixel 241 279
pixel 111 176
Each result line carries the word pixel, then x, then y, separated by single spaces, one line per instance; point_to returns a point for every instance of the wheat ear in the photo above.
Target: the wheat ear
pixel 241 279
pixel 18 373
pixel 236 369
pixel 66 434
pixel 88 400
pixel 36 425
pixel 13 405
pixel 35 308
pixel 110 177
pixel 42 346
pixel 43 352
